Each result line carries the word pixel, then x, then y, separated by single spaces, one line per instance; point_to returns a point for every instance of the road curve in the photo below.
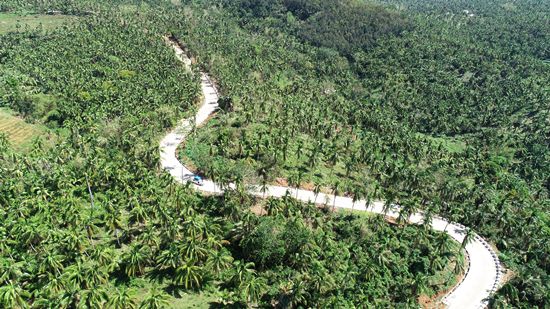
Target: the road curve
pixel 483 274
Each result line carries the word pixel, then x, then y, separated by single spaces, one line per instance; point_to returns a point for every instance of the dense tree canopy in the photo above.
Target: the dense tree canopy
pixel 450 115
pixel 345 25
pixel 90 221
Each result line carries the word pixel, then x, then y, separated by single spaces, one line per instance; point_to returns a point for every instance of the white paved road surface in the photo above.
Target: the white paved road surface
pixel 483 274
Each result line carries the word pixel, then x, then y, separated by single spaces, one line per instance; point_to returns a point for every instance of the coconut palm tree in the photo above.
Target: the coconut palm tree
pixel 219 261
pixel 316 191
pixel 189 275
pixel 253 289
pixel 13 296
pixel 121 298
pixel 135 259
pixel 335 191
pixel 468 238
pixel 155 299
pixel 240 272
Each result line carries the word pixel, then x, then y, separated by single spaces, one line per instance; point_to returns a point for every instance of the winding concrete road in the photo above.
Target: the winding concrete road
pixel 484 272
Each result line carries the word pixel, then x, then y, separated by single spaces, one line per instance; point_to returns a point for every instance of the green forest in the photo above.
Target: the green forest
pixel 438 106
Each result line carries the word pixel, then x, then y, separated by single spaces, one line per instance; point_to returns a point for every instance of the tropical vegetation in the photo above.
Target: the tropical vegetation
pixel 90 220
pixel 444 108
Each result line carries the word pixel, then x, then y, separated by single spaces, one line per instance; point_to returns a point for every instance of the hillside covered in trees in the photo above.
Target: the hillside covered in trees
pixel 446 110
pixel 438 106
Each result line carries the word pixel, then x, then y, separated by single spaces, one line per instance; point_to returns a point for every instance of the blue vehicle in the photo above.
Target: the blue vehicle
pixel 197 180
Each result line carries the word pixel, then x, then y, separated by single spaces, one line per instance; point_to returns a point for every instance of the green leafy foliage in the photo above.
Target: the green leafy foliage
pixel 345 25
pixel 335 259
pixel 449 116
pixel 92 222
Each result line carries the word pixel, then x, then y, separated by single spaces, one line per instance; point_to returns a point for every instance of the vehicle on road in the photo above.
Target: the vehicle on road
pixel 197 180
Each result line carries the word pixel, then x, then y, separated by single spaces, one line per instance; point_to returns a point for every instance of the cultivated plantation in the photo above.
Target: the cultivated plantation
pixel 19 133
pixel 429 121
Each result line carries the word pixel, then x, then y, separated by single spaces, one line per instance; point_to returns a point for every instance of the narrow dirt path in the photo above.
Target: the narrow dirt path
pixel 483 274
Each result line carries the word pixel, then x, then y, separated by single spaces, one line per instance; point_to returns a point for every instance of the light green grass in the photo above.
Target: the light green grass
pixel 128 8
pixel 13 22
pixel 194 300
pixel 355 212
pixel 177 299
pixel 450 144
pixel 20 133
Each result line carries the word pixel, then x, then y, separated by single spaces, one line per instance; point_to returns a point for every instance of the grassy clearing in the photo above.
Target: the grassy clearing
pixel 450 144
pixel 10 22
pixel 177 299
pixel 359 213
pixel 19 133
pixel 195 300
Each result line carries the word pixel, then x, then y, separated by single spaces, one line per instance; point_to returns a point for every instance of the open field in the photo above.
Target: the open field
pixel 175 298
pixel 450 144
pixel 13 22
pixel 192 301
pixel 20 134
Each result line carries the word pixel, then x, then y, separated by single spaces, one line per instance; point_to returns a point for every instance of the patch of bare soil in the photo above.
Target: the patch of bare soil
pixel 391 220
pixel 258 210
pixel 428 303
pixel 507 276
pixel 281 182
pixel 308 186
